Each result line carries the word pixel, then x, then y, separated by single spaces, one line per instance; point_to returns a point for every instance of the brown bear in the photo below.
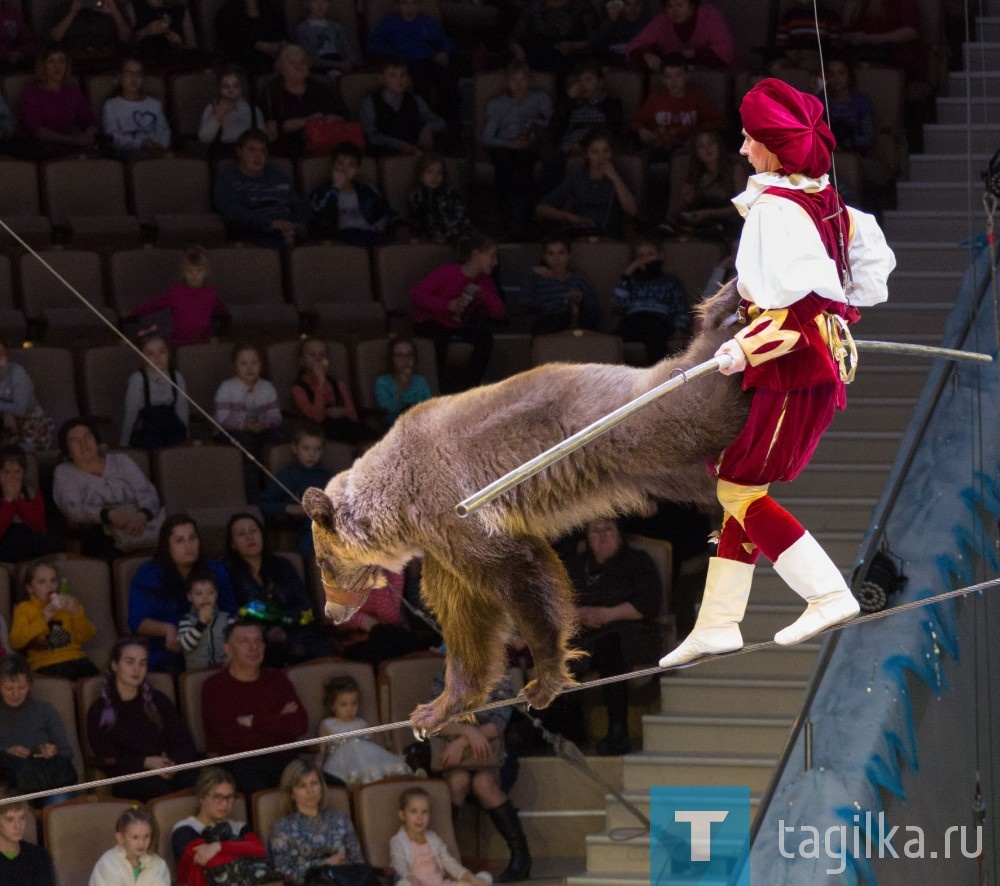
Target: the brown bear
pixel 495 571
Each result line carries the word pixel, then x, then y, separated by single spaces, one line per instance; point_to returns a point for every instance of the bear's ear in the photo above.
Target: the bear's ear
pixel 318 506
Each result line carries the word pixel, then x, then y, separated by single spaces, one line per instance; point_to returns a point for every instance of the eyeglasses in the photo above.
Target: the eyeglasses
pixel 222 798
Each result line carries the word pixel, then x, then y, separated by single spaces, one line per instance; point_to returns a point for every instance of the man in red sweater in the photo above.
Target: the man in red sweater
pixel 246 707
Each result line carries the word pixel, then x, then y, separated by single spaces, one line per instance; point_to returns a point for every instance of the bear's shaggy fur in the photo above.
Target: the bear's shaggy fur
pixel 495 570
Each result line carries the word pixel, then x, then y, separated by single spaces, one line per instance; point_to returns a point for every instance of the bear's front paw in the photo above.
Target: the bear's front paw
pixel 540 694
pixel 426 720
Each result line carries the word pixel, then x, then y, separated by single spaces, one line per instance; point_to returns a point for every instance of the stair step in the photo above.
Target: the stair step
pixel 956 196
pixel 927 285
pixel 847 480
pixel 734 696
pixel 763 620
pixel 973 82
pixel 988 28
pixel 546 783
pixel 842 446
pixel 921 256
pixel 606 854
pixel 823 513
pixel 646 768
pixel 981 56
pixel 795 662
pixel 875 379
pixel 950 167
pixel 687 734
pixel 943 227
pixel 562 832
pixel 620 817
pixel 903 316
pixel 953 138
pixel 876 413
pixel 979 109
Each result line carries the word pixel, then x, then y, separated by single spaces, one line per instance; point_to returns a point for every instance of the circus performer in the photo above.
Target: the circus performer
pixel 806 263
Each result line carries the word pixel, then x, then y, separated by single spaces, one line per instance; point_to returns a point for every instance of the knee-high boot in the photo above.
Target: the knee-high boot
pixel 505 820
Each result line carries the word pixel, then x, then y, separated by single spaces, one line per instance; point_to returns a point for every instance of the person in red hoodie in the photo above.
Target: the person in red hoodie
pixel 23 530
pixel 452 304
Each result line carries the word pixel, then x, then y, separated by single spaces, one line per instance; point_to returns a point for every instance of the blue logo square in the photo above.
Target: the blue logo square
pixel 699 835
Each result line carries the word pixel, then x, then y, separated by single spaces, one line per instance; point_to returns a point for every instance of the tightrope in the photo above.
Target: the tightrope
pixel 403 724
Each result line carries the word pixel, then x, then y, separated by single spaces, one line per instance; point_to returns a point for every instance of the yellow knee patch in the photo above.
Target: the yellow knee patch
pixel 736 498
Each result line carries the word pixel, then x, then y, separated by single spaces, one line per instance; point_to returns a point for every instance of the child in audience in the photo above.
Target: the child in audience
pixel 192 304
pixel 435 211
pixel 23 530
pixel 347 209
pixel 556 296
pixel 22 863
pixel 330 50
pixel 654 302
pixel 130 862
pixel 625 20
pixel 356 760
pixel 401 387
pixel 394 119
pixel 201 630
pixel 418 855
pixel 135 122
pixel 156 413
pixel 229 114
pixel 322 399
pixel 307 470
pixel 17 43
pixel 705 208
pixel 51 626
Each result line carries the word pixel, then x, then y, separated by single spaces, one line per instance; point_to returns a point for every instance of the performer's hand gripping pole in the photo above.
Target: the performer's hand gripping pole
pixel 585 435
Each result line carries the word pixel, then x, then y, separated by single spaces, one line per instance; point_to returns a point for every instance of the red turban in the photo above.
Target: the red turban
pixel 790 124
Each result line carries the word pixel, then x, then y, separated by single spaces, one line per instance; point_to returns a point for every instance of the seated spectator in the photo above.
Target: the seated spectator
pixel 93 33
pixel 307 470
pixel 164 32
pixel 401 387
pixel 50 625
pixel 696 30
pixel 23 421
pixel 36 753
pixel 670 115
pixel 270 591
pixel 229 114
pixel 132 860
pixel 654 303
pixel 23 530
pixel 512 136
pixel 113 505
pixel 8 128
pixel 256 200
pixel 210 839
pixel 201 630
pixel 156 412
pixel 246 405
pixel 887 33
pixel 250 33
pixel 435 211
pixel 394 119
pixel 378 631
pixel 349 210
pixel 133 727
pixel 714 176
pixel 192 304
pixel 799 27
pixel 54 111
pixel 417 37
pixel 246 707
pixel 323 400
pixel 618 593
pixel 330 50
pixel 17 42
pixel 550 34
pixel 21 861
pixel 293 100
pixel 4 637
pixel 455 302
pixel 557 297
pixel 157 596
pixel 308 836
pixel 594 198
pixel 624 21
pixel 135 122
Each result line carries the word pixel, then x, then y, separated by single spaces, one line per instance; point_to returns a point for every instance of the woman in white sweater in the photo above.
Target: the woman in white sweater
pixel 135 122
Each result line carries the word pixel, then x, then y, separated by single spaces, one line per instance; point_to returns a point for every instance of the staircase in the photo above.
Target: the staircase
pixel 726 722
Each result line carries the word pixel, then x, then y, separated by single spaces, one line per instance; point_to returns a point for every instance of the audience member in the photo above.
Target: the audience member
pixel 157 595
pixel 92 32
pixel 164 32
pixel 192 304
pixel 454 303
pixel 592 199
pixel 246 707
pixel 156 411
pixel 435 211
pixel 330 50
pixel 133 727
pixel 256 200
pixel 23 529
pixel 132 861
pixel 8 126
pixel 23 421
pixel 36 752
pixel 378 631
pixel 250 33
pixel 696 30
pixel 394 119
pixel 294 101
pixel 554 295
pixel 55 113
pixel 309 836
pixel 550 34
pixel 401 387
pixel 17 42
pixel 4 637
pixel 21 862
pixel 307 470
pixel 321 399
pixel 201 630
pixel 653 302
pixel 135 122
pixel 887 32
pixel 624 20
pixel 229 114
pixel 512 136
pixel 270 591
pixel 110 501
pixel 347 209
pixel 50 625
pixel 714 176
pixel 799 27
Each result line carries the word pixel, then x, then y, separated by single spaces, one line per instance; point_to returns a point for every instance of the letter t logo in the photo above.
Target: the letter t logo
pixel 701 829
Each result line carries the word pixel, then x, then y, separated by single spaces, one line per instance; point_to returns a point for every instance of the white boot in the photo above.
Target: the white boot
pixel 808 570
pixel 723 604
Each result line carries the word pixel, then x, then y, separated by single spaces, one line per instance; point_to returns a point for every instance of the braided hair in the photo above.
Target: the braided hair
pixel 109 689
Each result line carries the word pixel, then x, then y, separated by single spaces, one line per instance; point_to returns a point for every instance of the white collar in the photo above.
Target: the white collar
pixel 757 184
